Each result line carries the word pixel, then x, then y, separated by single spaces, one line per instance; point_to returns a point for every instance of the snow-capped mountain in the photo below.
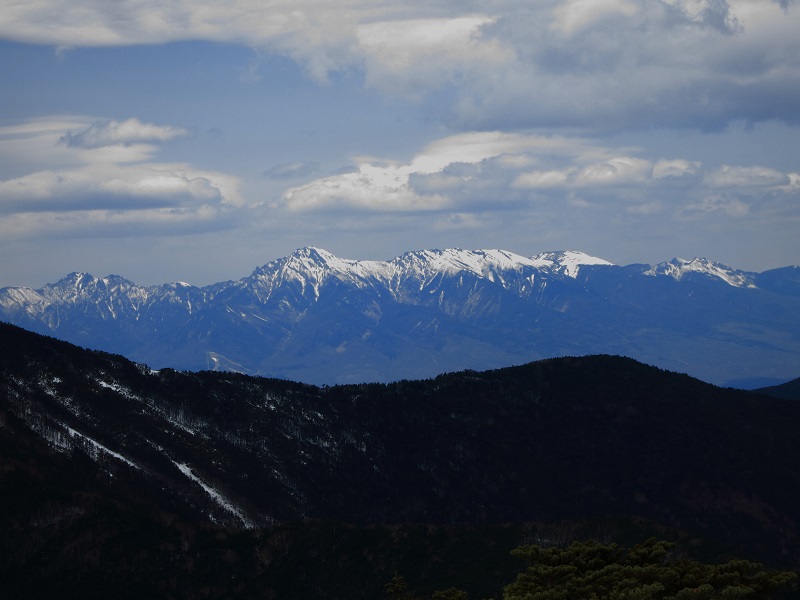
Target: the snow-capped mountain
pixel 319 318
pixel 678 268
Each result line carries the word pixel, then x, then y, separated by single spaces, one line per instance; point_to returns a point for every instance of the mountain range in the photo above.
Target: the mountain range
pixel 114 473
pixel 317 318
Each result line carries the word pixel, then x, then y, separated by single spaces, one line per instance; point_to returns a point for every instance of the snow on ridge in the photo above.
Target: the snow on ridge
pixel 310 266
pixel 455 260
pixel 567 262
pixel 23 299
pixel 677 268
pixel 480 261
pixel 317 260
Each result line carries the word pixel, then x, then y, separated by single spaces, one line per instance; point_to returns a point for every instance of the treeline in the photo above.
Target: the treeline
pixel 589 570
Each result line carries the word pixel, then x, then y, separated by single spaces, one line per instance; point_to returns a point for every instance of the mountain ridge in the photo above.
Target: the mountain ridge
pixel 316 317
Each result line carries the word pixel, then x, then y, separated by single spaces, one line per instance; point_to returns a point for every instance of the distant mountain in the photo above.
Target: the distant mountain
pixel 314 317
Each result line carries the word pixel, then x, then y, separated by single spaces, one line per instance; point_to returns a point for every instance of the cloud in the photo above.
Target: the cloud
pixel 553 178
pixel 716 14
pixel 755 176
pixel 670 67
pixel 623 169
pixel 105 174
pixel 70 141
pixel 613 171
pixel 418 185
pixel 122 133
pixel 372 187
pixel 503 65
pixel 675 168
pixel 461 180
pixel 574 16
pixel 162 184
pixel 413 57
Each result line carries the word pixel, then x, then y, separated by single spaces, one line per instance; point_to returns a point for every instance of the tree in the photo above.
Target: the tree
pixel 397 589
pixel 648 571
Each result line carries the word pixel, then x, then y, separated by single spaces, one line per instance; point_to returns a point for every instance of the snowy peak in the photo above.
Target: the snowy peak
pixel 566 262
pixel 316 263
pixel 77 288
pixel 309 268
pixel 678 268
pixel 311 257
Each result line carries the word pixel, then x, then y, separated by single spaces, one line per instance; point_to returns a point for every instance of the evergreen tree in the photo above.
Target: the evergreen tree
pixel 397 589
pixel 648 571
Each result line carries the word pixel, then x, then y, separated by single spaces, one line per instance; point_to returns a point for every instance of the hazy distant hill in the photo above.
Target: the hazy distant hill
pixel 563 439
pixel 317 318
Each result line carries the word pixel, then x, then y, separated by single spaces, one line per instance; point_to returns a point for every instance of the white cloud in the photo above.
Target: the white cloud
pixel 543 179
pixel 734 176
pixel 103 175
pixel 122 133
pixel 372 187
pixel 107 184
pixel 480 173
pixel 387 185
pixel 413 57
pixel 623 169
pixel 675 168
pixel 69 141
pixel 473 147
pixel 691 63
pixel 583 171
pixel 574 16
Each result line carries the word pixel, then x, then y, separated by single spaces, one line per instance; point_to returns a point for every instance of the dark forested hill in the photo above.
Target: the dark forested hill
pixel 789 390
pixel 87 435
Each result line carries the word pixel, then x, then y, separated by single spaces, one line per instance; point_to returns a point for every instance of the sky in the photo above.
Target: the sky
pixel 194 140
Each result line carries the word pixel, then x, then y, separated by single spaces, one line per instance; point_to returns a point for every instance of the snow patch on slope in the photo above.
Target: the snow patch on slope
pixel 121 390
pixel 97 446
pixel 215 495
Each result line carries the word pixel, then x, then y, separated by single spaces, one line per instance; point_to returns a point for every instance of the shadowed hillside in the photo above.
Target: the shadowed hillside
pixel 92 442
pixel 789 390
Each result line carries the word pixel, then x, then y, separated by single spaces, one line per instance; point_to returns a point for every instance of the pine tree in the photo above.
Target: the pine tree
pixel 648 571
